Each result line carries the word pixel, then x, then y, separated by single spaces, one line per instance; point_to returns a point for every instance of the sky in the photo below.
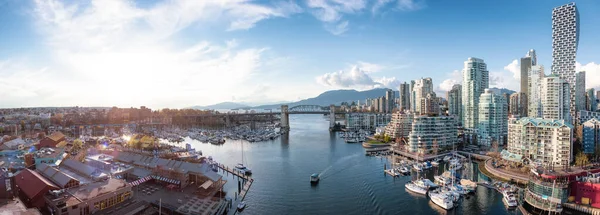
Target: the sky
pixel 180 53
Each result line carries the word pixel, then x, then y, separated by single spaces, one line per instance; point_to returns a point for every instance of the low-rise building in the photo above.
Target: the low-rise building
pixel 51 140
pixel 31 187
pixel 89 198
pixel 431 133
pixel 544 141
pixel 400 125
pixel 50 156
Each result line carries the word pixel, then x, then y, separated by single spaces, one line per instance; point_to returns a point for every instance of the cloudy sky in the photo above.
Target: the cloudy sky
pixel 179 53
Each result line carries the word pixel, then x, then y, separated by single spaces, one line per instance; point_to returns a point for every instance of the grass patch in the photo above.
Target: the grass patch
pixel 375 142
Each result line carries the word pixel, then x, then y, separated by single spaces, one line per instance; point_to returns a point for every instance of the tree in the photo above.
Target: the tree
pixel 386 139
pixel 581 159
pixel 77 144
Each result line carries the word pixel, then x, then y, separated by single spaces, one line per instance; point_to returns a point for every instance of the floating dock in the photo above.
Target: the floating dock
pixel 246 187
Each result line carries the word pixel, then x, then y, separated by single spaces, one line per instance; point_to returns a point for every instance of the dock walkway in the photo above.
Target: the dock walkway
pixel 247 183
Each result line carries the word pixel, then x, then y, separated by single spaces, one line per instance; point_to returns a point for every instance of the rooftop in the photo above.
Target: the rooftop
pixel 76 195
pixel 49 152
pixel 16 207
pixel 56 136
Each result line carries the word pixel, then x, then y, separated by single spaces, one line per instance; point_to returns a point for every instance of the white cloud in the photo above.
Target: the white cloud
pixel 338 28
pixel 114 53
pixel 592 74
pixel 514 68
pixel 330 12
pixel 455 77
pixel 403 5
pixel 358 77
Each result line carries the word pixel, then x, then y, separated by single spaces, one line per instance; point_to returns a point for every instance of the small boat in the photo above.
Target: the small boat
pixel 509 199
pixel 435 162
pixel 447 157
pixel 314 178
pixel 404 170
pixel 468 185
pixel 241 206
pixel 417 167
pixel 441 180
pixel 240 166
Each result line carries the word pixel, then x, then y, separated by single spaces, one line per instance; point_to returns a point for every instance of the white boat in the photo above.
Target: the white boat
pixel 441 180
pixel 435 162
pixel 417 167
pixel 404 170
pixel 314 178
pixel 509 199
pixel 416 187
pixel 468 185
pixel 241 166
pixel 241 206
pixel 441 199
pixel 459 189
pixel 429 183
pixel 447 158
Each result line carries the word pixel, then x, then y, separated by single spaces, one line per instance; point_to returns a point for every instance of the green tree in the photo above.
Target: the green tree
pixel 386 139
pixel 581 159
pixel 77 144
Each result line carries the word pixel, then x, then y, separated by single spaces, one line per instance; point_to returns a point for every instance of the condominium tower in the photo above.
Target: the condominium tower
pixel 493 116
pixel 431 133
pixel 565 39
pixel 420 90
pixel 534 106
pixel 555 98
pixel 547 141
pixel 404 100
pixel 475 81
pixel 455 102
pixel 527 62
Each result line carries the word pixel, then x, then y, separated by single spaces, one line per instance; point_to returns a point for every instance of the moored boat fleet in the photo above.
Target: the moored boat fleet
pixel 218 137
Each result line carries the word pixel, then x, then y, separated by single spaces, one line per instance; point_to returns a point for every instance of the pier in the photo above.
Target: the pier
pixel 247 182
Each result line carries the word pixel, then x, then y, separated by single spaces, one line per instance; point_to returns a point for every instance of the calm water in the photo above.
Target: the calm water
pixel 351 184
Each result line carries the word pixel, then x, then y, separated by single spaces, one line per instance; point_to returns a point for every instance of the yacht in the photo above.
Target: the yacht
pixel 441 180
pixel 314 178
pixel 417 187
pixel 417 167
pixel 441 199
pixel 436 162
pixel 509 199
pixel 447 158
pixel 468 185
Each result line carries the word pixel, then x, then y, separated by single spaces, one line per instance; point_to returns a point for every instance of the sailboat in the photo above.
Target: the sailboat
pixel 419 185
pixel 241 166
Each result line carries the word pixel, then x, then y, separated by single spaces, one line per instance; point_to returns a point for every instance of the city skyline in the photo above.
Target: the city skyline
pixel 129 53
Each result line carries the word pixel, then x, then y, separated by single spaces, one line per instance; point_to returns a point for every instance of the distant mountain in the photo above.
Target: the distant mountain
pixel 222 105
pixel 334 97
pixel 500 91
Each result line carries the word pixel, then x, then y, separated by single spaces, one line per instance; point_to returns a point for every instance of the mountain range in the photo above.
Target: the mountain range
pixel 325 99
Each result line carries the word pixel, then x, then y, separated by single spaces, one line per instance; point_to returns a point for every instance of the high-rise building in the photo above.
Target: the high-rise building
pixel 548 141
pixel 534 106
pixel 580 90
pixel 421 88
pixel 404 103
pixel 513 109
pixel 591 136
pixel 527 62
pixel 475 81
pixel 389 99
pixel 430 105
pixel 455 102
pixel 565 39
pixel 493 116
pixel 431 133
pixel 591 101
pixel 555 98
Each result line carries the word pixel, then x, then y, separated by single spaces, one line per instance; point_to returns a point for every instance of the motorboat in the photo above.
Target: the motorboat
pixel 447 158
pixel 404 170
pixel 427 165
pixel 429 183
pixel 509 199
pixel 468 185
pixel 416 187
pixel 441 180
pixel 417 167
pixel 436 162
pixel 314 178
pixel 459 189
pixel 241 206
pixel 441 199
pixel 240 166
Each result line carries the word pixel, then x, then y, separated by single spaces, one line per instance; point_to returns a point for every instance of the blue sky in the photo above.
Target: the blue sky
pixel 180 53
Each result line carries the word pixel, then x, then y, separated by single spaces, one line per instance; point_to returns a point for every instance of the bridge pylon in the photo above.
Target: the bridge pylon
pixel 285 119
pixel 331 117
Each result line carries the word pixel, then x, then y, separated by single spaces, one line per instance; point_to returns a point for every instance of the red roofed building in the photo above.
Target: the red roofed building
pixel 52 140
pixel 31 188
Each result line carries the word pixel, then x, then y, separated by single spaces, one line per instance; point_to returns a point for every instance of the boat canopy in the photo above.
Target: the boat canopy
pixel 314 175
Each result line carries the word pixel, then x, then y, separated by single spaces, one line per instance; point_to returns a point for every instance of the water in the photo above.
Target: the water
pixel 352 183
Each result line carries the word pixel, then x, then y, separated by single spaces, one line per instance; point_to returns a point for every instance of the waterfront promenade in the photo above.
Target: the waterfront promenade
pixel 505 175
